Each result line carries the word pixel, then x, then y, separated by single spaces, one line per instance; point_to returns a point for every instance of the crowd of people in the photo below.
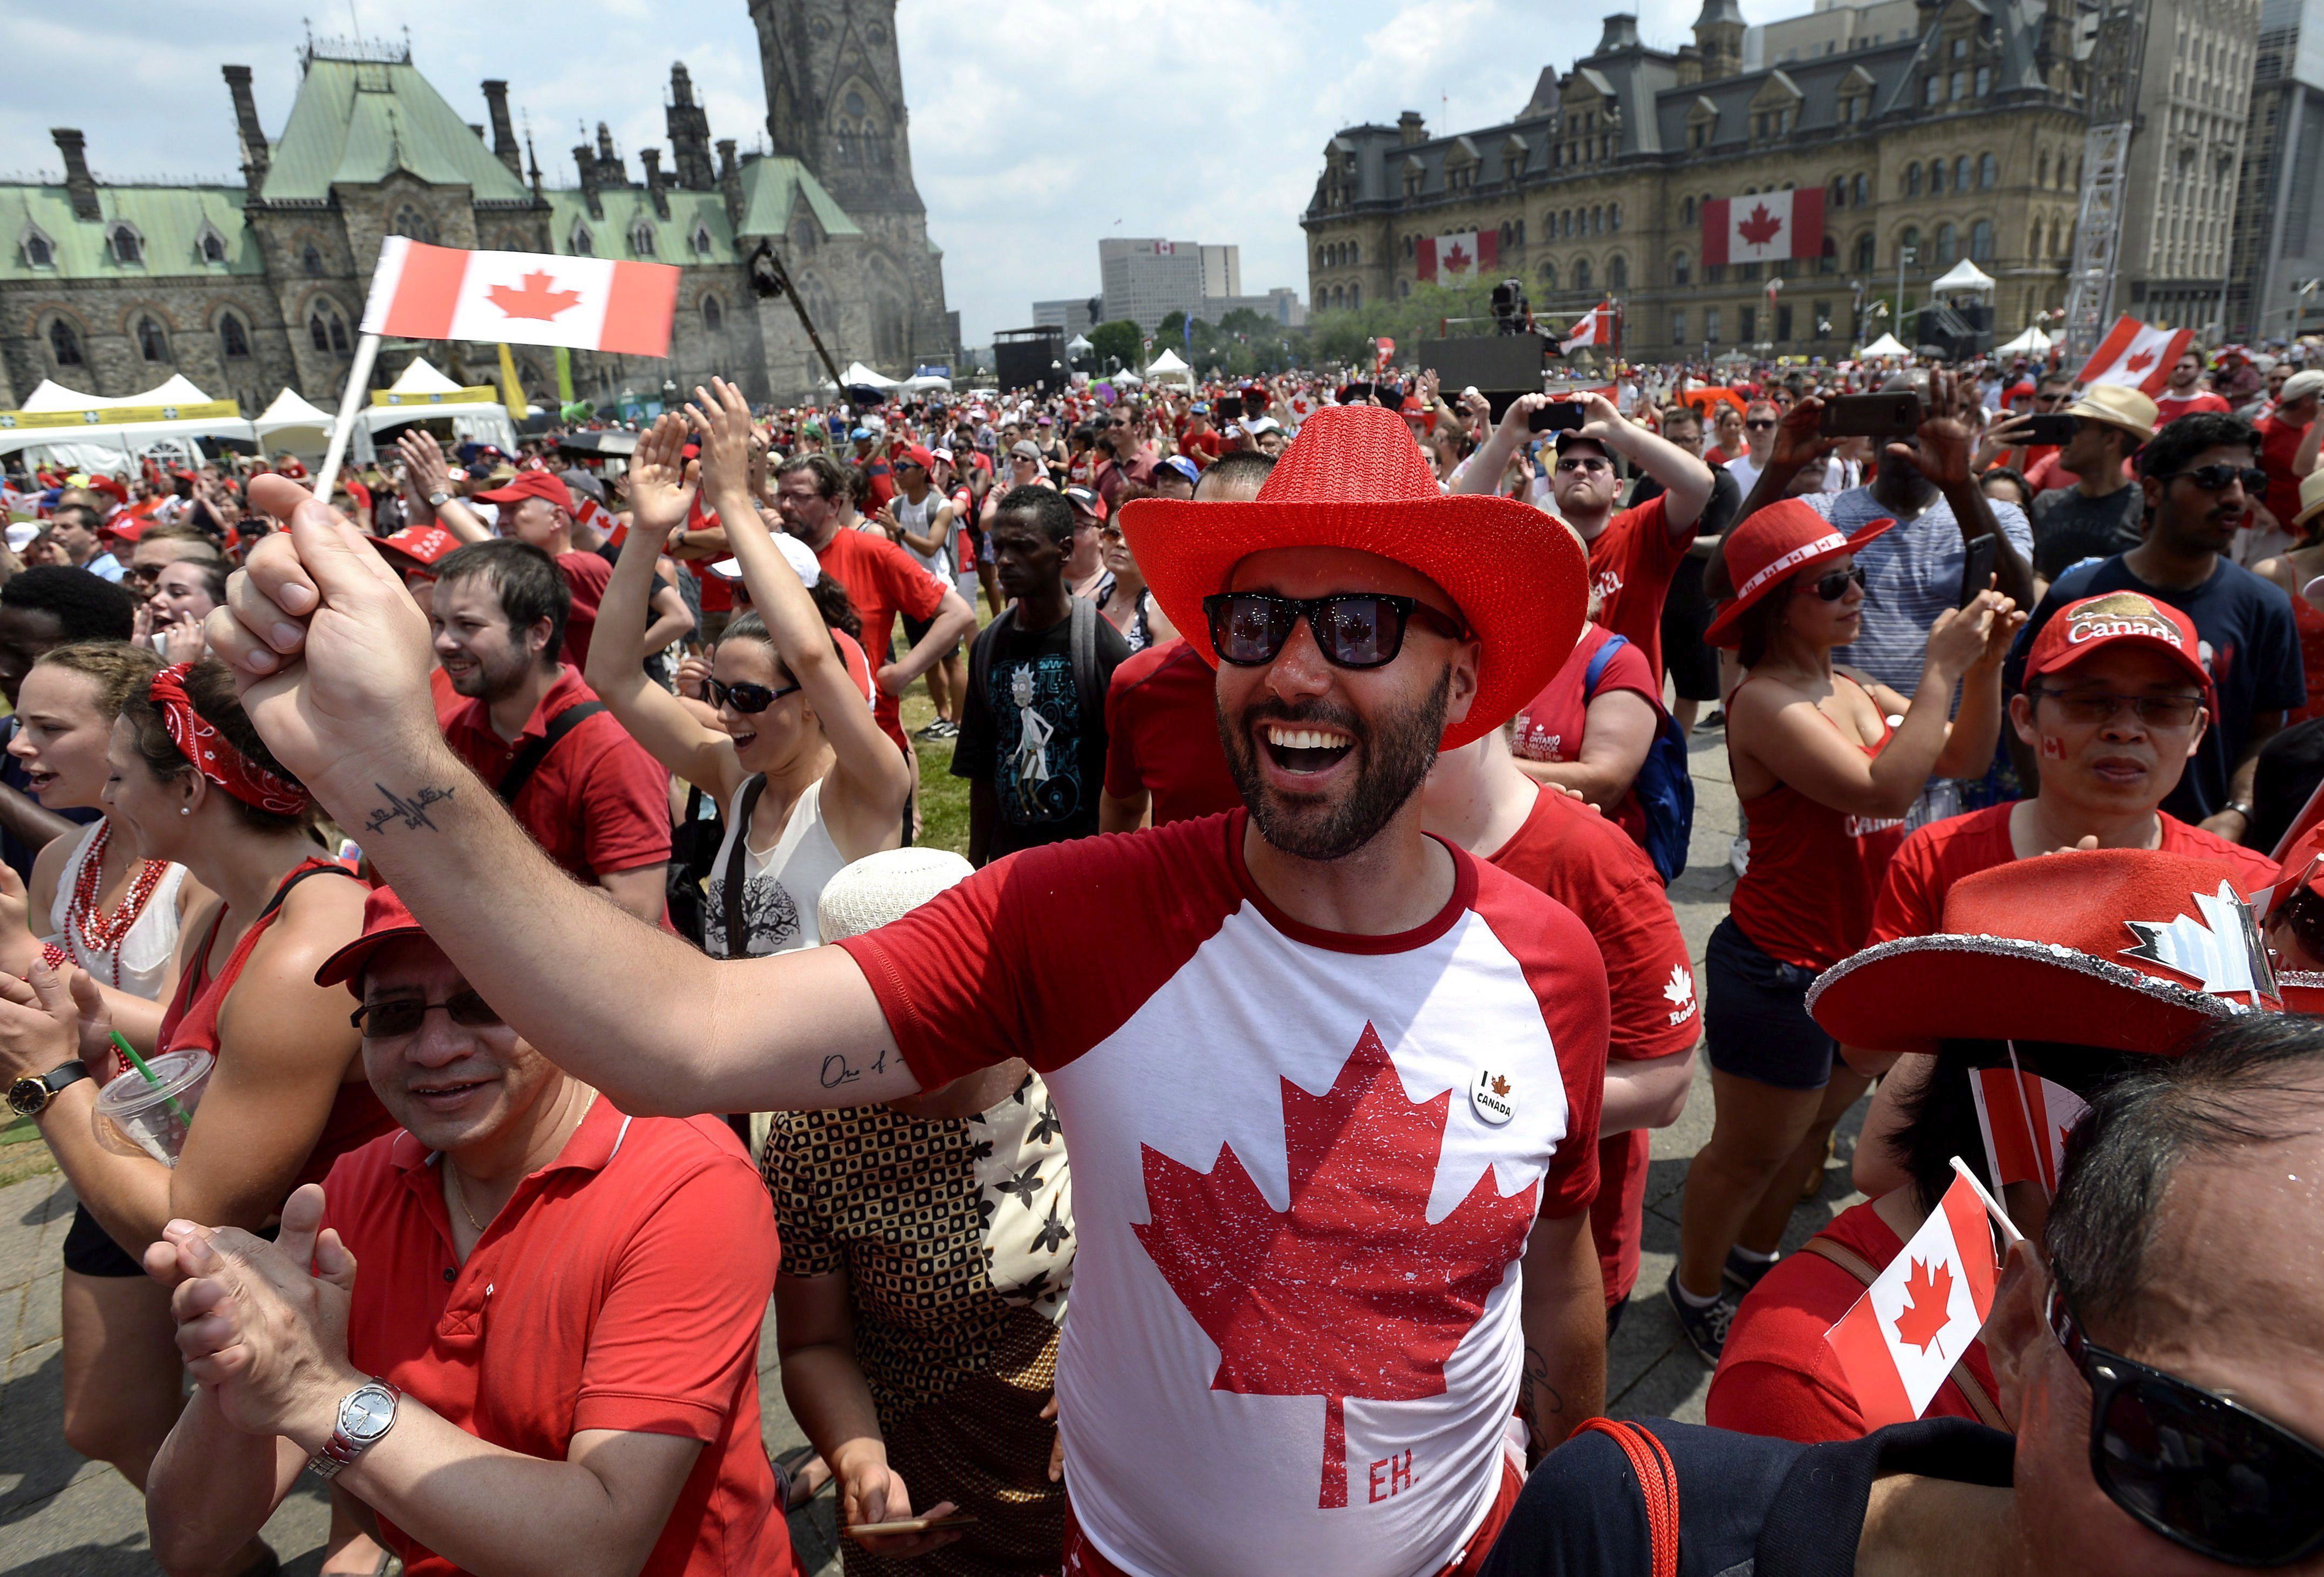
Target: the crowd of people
pixel 1238 1161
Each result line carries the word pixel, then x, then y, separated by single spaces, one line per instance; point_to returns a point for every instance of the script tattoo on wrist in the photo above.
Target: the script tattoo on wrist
pixel 412 812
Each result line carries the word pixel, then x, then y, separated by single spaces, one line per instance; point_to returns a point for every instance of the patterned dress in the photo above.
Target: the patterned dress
pixel 957 1238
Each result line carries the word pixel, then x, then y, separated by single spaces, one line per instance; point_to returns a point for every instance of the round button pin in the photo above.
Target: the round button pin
pixel 1493 1097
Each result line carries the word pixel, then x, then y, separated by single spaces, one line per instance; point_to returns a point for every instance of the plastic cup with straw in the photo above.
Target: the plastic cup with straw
pixel 129 1051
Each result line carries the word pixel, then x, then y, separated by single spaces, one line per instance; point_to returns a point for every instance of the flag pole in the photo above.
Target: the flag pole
pixel 350 401
pixel 1992 1205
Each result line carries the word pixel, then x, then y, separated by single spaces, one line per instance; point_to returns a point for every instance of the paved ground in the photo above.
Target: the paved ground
pixel 60 1516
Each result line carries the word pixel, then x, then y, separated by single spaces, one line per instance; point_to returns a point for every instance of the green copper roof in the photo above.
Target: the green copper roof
pixel 170 223
pixel 671 240
pixel 771 186
pixel 359 120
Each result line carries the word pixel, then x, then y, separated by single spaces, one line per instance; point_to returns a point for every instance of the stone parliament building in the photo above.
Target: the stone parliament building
pixel 247 289
pixel 1938 130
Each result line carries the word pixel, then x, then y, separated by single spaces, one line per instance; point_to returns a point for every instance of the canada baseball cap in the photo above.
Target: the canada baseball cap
pixel 1088 502
pixel 384 919
pixel 527 484
pixel 2112 618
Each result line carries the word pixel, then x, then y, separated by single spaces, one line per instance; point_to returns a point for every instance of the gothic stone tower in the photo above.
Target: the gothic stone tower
pixel 836 103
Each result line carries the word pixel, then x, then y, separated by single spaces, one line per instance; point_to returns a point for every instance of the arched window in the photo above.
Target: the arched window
pixel 1837 196
pixel 702 241
pixel 1355 296
pixel 1947 244
pixel 1912 180
pixel 581 244
pixel 2042 168
pixel 128 246
pixel 1960 173
pixel 1859 189
pixel 1617 272
pixel 1989 171
pixel 1686 210
pixel 1827 261
pixel 410 221
pixel 1908 248
pixel 150 342
pixel 234 337
pixel 1863 252
pixel 1679 268
pixel 1936 177
pixel 1321 261
pixel 326 331
pixel 1613 216
pixel 1580 273
pixel 1597 221
pixel 318 334
pixel 1980 241
pixel 1548 275
pixel 64 344
pixel 1520 227
pixel 714 316
pixel 313 261
pixel 1508 240
pixel 38 253
pixel 212 246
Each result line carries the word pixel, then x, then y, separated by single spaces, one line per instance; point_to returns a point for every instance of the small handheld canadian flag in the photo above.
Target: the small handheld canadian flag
pixel 2025 1119
pixel 1916 1319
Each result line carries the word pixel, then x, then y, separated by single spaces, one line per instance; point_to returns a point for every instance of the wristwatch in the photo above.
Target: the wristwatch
pixel 438 499
pixel 30 1095
pixel 2242 807
pixel 365 1416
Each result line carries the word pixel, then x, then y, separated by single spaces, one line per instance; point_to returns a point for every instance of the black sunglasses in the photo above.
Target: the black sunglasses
pixel 1833 585
pixel 1355 629
pixel 2207 1473
pixel 395 1020
pixel 2100 706
pixel 747 699
pixel 2214 478
pixel 1762 425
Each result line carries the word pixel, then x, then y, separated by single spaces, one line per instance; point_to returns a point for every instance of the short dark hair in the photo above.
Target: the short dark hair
pixel 2226 1094
pixel 85 606
pixel 1046 507
pixel 2166 454
pixel 529 584
pixel 1239 467
pixel 830 475
pixel 2008 473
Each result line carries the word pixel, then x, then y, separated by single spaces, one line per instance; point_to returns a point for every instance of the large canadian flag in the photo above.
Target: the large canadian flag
pixel 2025 1119
pixel 1768 228
pixel 1916 1319
pixel 1462 255
pixel 521 297
pixel 2137 356
pixel 1595 327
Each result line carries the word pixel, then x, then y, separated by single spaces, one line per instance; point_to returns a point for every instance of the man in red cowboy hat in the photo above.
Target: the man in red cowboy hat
pixel 1334 1081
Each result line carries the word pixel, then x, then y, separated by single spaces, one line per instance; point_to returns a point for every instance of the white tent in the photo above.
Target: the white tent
pixel 291 423
pixel 926 381
pixel 1079 345
pixel 422 378
pixel 1887 344
pixel 1964 278
pixel 858 374
pixel 485 421
pixel 1124 376
pixel 110 446
pixel 2032 343
pixel 1168 365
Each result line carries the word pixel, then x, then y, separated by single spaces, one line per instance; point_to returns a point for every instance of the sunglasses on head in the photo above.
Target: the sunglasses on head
pixel 1355 629
pixel 2215 477
pixel 2205 1472
pixel 1832 583
pixel 746 700
pixel 395 1019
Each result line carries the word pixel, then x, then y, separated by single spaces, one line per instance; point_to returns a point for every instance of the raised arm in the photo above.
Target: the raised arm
pixel 1946 438
pixel 1483 474
pixel 425 474
pixel 332 657
pixel 1686 481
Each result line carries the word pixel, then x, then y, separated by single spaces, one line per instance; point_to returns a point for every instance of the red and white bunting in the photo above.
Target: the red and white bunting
pixel 521 297
pixel 2136 355
pixel 1769 227
pixel 1919 1316
pixel 1460 256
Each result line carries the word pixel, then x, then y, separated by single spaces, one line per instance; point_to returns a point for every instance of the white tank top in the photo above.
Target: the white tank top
pixel 143 955
pixel 914 518
pixel 780 888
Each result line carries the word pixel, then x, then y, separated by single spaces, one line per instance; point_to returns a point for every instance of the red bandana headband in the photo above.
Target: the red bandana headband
pixel 201 743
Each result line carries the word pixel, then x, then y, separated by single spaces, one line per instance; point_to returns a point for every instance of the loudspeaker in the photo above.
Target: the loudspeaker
pixel 1500 365
pixel 1030 358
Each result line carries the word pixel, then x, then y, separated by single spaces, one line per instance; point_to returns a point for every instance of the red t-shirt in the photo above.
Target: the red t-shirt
pixel 622 1288
pixel 1575 856
pixel 1305 1166
pixel 597 804
pixel 1631 563
pixel 1551 727
pixel 1201 448
pixel 1162 734
pixel 1912 900
pixel 1778 1377
pixel 588 574
pixel 884 581
pixel 2170 407
pixel 2279 440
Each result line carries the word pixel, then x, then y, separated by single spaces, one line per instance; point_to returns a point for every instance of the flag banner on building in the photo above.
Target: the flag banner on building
pixel 2025 1119
pixel 1769 227
pixel 1919 1316
pixel 1460 256
pixel 2136 355
pixel 521 297
pixel 1595 327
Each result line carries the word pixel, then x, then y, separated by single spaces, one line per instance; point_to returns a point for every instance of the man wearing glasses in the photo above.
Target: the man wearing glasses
pixel 2200 475
pixel 1759 420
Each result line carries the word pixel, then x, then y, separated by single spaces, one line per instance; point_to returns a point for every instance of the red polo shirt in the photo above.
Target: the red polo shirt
pixel 1162 734
pixel 598 803
pixel 622 1288
pixel 586 573
pixel 884 581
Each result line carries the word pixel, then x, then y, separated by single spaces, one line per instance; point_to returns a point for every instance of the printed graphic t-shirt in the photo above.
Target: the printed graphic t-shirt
pixel 1305 1164
pixel 1026 735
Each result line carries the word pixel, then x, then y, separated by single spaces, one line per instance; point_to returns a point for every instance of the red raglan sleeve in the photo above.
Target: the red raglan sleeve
pixel 1568 975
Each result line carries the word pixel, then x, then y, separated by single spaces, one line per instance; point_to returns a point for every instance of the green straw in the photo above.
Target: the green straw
pixel 138 1063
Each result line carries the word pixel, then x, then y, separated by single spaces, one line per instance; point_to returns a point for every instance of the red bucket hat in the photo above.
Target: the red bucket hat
pixel 1353 478
pixel 1783 539
pixel 2127 949
pixel 2124 617
pixel 384 919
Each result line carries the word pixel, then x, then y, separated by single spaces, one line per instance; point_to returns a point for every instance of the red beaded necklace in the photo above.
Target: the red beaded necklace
pixel 101 933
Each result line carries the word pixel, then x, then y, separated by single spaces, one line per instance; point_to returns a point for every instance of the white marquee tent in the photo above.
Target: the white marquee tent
pixel 1887 345
pixel 485 422
pixel 2032 343
pixel 1167 365
pixel 108 446
pixel 292 423
pixel 1964 278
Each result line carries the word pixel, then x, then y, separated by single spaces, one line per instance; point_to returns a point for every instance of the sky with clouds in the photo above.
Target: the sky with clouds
pixel 1038 126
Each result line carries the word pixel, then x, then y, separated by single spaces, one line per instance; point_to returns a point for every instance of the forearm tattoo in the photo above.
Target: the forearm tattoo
pixel 412 812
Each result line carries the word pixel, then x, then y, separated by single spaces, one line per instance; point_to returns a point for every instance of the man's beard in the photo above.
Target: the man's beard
pixel 1393 759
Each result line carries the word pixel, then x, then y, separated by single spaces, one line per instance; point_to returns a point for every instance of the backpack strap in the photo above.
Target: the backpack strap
pixel 1081 640
pixel 1597 668
pixel 1657 1487
pixel 1972 1389
pixel 738 853
pixel 980 651
pixel 528 760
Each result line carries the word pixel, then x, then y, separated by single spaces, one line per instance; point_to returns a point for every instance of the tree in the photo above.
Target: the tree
pixel 1243 321
pixel 1118 342
pixel 1172 327
pixel 1346 336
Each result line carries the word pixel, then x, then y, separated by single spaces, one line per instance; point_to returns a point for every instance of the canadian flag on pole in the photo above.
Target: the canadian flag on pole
pixel 1463 255
pixel 1595 327
pixel 1768 226
pixel 1919 1316
pixel 2137 356
pixel 521 297
pixel 2025 1119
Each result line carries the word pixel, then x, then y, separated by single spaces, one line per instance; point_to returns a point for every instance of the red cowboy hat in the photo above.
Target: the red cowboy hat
pixel 1353 478
pixel 1785 539
pixel 2127 949
pixel 2303 989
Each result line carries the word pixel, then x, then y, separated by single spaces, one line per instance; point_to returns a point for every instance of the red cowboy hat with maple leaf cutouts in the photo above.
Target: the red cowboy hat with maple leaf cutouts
pixel 1353 478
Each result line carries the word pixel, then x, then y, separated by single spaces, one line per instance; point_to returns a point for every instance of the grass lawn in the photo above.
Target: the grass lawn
pixel 943 798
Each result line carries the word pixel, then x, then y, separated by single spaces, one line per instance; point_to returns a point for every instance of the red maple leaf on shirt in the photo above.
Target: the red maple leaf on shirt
pixel 536 300
pixel 1927 1290
pixel 1456 260
pixel 1352 1292
pixel 2139 363
pixel 1760 227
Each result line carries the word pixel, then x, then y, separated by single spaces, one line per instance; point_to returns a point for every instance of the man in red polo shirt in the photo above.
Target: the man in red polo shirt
pixel 536 508
pixel 550 1358
pixel 590 796
pixel 811 493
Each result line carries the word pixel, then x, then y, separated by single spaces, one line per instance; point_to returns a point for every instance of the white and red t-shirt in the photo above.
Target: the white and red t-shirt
pixel 1631 563
pixel 1305 1165
pixel 2170 407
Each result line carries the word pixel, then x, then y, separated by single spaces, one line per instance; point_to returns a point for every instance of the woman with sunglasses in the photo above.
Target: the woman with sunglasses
pixel 1825 765
pixel 808 781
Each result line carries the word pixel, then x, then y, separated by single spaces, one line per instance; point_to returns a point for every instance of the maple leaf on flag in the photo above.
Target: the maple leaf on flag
pixel 1455 259
pixel 2139 363
pixel 536 300
pixel 1352 1292
pixel 1760 227
pixel 1927 1292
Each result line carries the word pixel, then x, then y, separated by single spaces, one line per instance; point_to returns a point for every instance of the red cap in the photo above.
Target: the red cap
pixel 127 527
pixel 423 545
pixel 384 919
pixel 1087 501
pixel 2094 624
pixel 919 456
pixel 527 484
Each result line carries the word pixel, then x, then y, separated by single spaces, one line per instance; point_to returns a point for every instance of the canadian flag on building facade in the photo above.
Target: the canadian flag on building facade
pixel 1463 255
pixel 2025 1118
pixel 1919 1316
pixel 2136 355
pixel 1769 227
pixel 1595 327
pixel 521 297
